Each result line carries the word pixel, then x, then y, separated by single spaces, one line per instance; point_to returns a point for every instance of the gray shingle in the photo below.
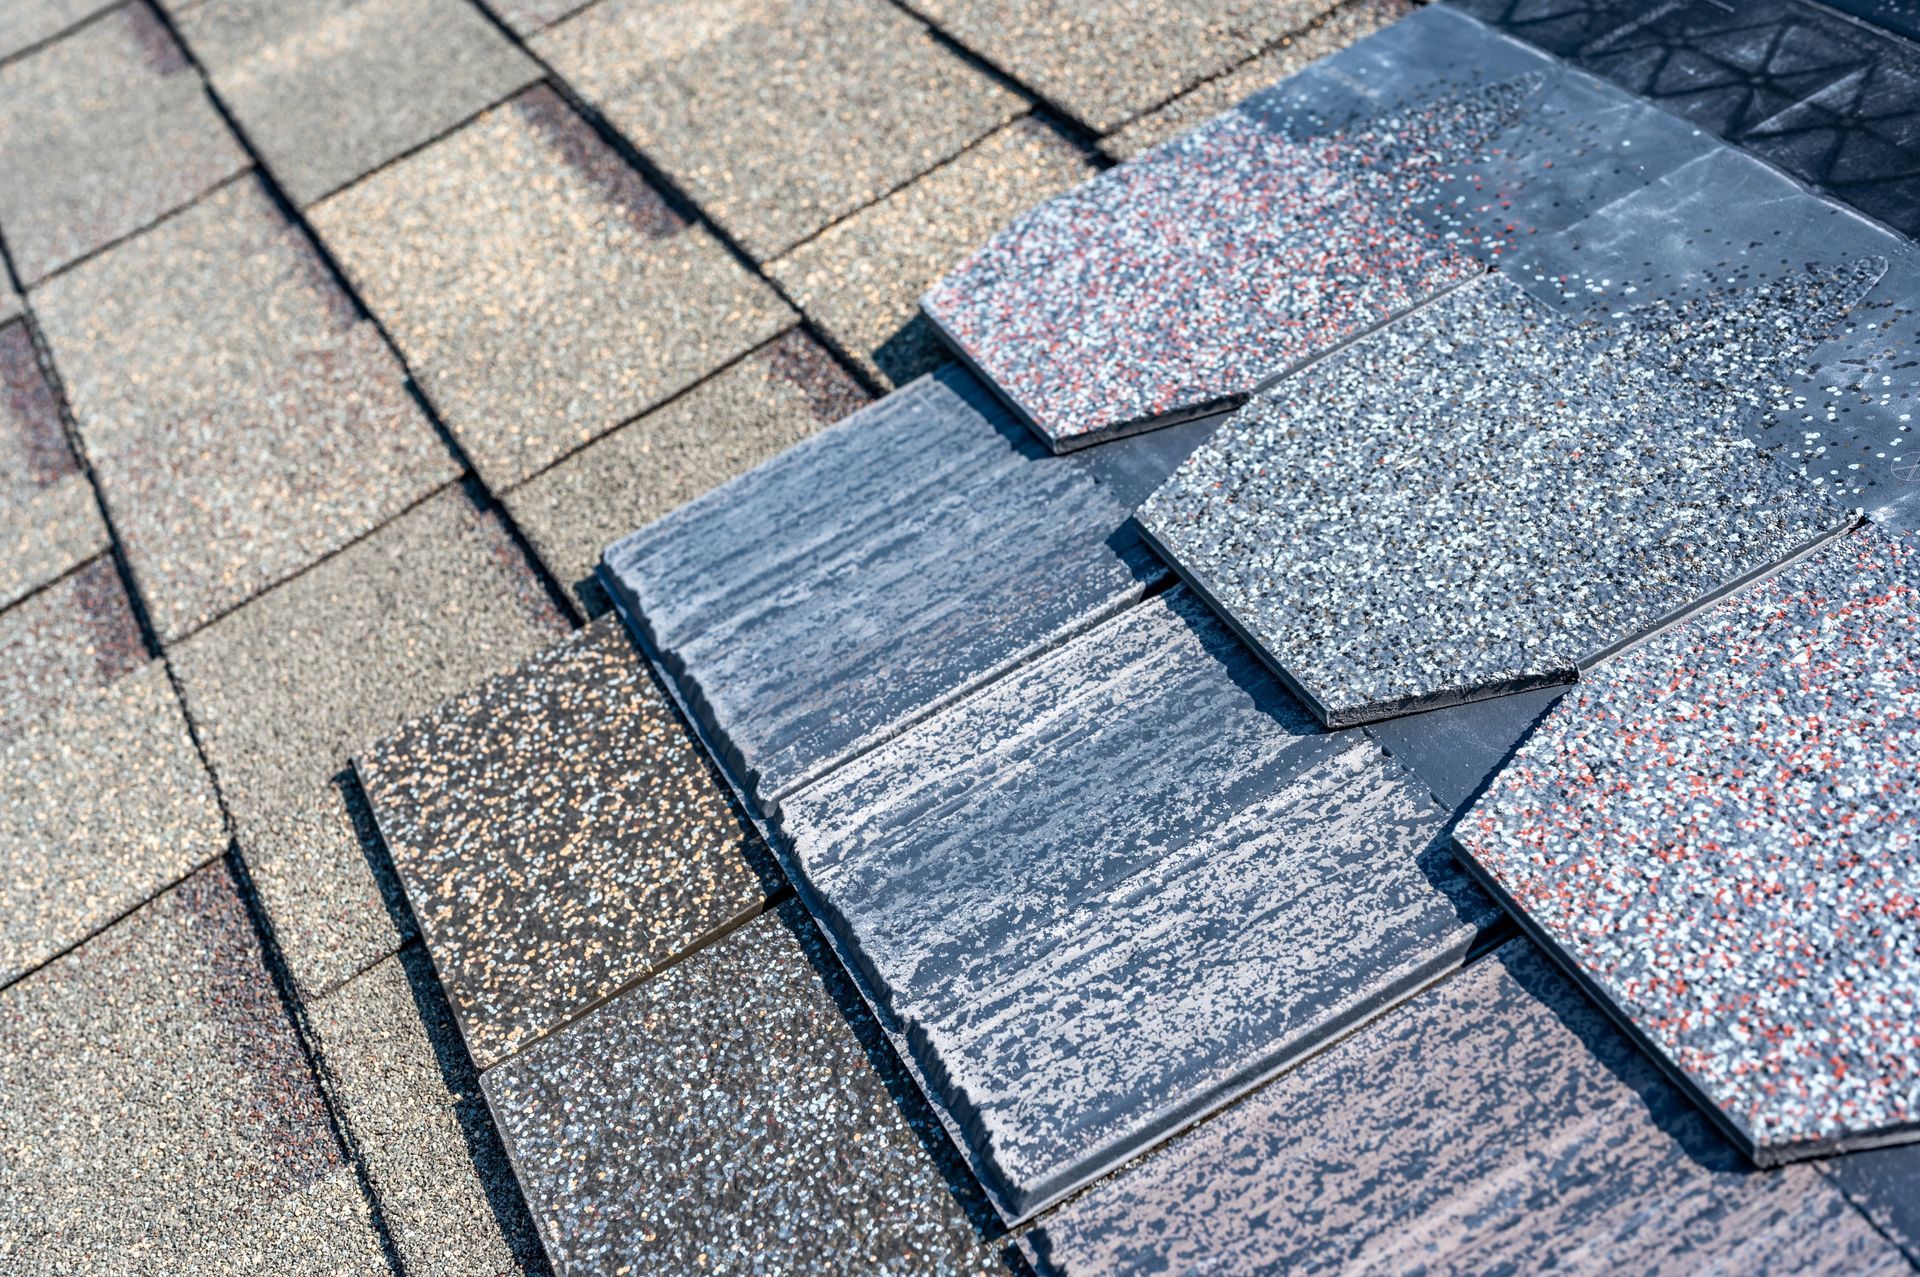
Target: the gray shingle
pixel 78 633
pixel 860 280
pixel 49 520
pixel 286 688
pixel 159 1114
pixel 560 834
pixel 244 420
pixel 25 23
pixel 411 1101
pixel 1120 886
pixel 541 291
pixel 736 419
pixel 735 1114
pixel 778 117
pixel 101 133
pixel 1495 1124
pixel 871 574
pixel 330 89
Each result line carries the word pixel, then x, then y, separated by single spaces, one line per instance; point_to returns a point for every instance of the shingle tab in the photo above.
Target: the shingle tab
pixel 828 598
pixel 49 520
pixel 736 419
pixel 243 418
pixel 25 23
pixel 284 689
pixel 560 834
pixel 1120 886
pixel 540 290
pixel 159 1113
pixel 738 1112
pixel 777 117
pixel 1569 487
pixel 78 633
pixel 1496 1124
pixel 1717 833
pixel 330 89
pixel 100 134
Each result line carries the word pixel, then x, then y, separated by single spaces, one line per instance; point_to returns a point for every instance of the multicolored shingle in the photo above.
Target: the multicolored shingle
pixel 1719 832
pixel 49 520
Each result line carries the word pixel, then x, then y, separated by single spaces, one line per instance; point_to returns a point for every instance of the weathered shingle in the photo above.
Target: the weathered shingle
pixel 76 634
pixel 49 520
pixel 25 23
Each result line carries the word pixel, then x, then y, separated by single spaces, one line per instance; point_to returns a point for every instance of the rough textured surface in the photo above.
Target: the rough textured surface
pixel 242 418
pixel 1717 832
pixel 778 117
pixel 1336 30
pixel 861 280
pixel 196 1142
pixel 736 419
pixel 1178 282
pixel 541 291
pixel 102 804
pixel 101 133
pixel 858 582
pixel 1885 1184
pixel 49 521
pixel 75 635
pixel 1568 487
pixel 528 16
pixel 560 835
pixel 1496 1124
pixel 330 89
pixel 411 1102
pixel 1122 885
pixel 25 23
pixel 1147 52
pixel 734 1114
pixel 285 689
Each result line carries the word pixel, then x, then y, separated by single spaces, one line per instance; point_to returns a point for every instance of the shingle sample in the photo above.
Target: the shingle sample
pixel 1180 282
pixel 736 419
pixel 1567 487
pixel 861 280
pixel 778 117
pixel 330 89
pixel 159 1114
pixel 870 575
pixel 284 689
pixel 1495 1124
pixel 1717 833
pixel 1832 102
pixel 49 521
pixel 25 23
pixel 1121 885
pixel 101 133
pixel 737 1112
pixel 243 419
pixel 1106 61
pixel 560 834
pixel 541 291
pixel 77 634
pixel 412 1102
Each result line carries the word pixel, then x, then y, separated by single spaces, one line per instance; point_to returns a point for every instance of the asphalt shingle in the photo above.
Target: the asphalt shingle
pixel 741 416
pixel 100 134
pixel 541 291
pixel 25 23
pixel 243 418
pixel 411 1100
pixel 76 634
pixel 778 117
pixel 283 690
pixel 1717 833
pixel 1106 61
pixel 1121 885
pixel 102 804
pixel 159 1113
pixel 738 1112
pixel 1350 21
pixel 49 520
pixel 861 279
pixel 856 583
pixel 560 834
pixel 328 90
pixel 1494 1124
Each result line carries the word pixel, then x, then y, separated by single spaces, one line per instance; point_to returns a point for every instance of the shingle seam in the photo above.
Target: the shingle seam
pixel 72 29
